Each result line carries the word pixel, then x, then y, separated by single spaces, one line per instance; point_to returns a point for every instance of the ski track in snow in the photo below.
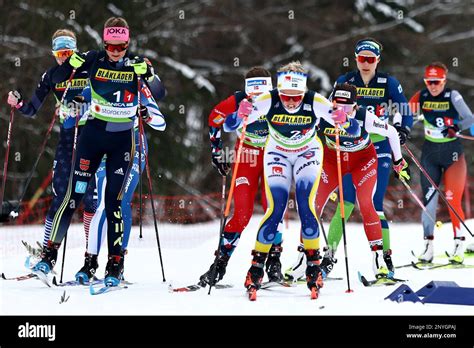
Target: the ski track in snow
pixel 188 253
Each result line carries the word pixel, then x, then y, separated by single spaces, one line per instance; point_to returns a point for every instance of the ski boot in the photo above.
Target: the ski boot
pixel 314 277
pixel 378 263
pixel 328 262
pixel 114 270
pixel 457 257
pixel 297 271
pixel 228 244
pixel 87 272
pixel 428 253
pixel 253 281
pixel 48 258
pixel 273 264
pixel 215 273
pixel 387 257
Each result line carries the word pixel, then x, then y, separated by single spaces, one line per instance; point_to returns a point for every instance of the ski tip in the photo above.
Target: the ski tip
pixel 252 293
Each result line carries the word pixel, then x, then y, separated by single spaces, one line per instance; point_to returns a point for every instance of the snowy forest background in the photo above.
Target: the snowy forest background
pixel 201 49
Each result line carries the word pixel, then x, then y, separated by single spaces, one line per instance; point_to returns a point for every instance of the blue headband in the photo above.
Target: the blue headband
pixel 64 43
pixel 368 45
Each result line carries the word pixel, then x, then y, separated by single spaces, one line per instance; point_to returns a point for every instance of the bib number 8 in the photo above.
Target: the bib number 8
pixel 439 122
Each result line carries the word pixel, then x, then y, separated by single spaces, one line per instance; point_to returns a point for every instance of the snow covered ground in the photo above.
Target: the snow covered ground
pixel 188 252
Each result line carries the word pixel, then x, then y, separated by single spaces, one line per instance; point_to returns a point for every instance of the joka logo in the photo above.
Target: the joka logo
pixel 277 170
pixel 121 31
pixel 84 164
pixel 309 154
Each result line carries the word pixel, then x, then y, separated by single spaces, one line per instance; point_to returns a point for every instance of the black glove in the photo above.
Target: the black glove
pixel 77 105
pixel 450 131
pixel 144 112
pixel 402 133
pixel 220 163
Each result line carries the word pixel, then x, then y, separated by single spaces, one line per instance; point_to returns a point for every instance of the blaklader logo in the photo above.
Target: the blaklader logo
pixel 37 331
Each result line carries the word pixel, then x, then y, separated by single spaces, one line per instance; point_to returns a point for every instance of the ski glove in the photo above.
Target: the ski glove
pixel 450 132
pixel 220 163
pixel 401 169
pixel 402 133
pixel 144 113
pixel 245 108
pixel 77 59
pixel 15 99
pixel 339 116
pixel 77 105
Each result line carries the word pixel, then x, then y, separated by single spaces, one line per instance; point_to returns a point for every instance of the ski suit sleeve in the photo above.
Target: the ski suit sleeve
pixel 156 87
pixel 466 119
pixel 400 103
pixel 30 108
pixel 156 119
pixel 261 106
pixel 63 72
pixel 322 107
pixel 374 125
pixel 216 120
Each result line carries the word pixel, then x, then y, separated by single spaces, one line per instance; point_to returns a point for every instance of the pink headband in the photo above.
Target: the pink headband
pixel 116 33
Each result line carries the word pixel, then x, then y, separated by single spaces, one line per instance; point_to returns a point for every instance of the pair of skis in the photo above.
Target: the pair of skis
pixel 420 265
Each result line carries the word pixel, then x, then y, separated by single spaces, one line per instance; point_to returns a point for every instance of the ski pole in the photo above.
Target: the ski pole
pixel 64 257
pixel 229 198
pixel 418 164
pixel 5 162
pixel 341 204
pixel 150 188
pixel 46 138
pixel 462 136
pixel 30 176
pixel 417 200
pixel 140 181
pixel 71 174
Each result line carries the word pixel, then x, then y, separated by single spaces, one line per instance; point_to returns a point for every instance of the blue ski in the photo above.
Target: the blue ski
pixel 104 289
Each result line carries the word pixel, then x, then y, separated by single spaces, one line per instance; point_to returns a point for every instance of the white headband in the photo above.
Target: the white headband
pixel 292 80
pixel 258 85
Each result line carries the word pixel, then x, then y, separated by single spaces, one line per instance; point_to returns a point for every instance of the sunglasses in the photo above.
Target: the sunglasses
pixel 63 53
pixel 368 59
pixel 295 98
pixel 433 82
pixel 113 48
pixel 346 108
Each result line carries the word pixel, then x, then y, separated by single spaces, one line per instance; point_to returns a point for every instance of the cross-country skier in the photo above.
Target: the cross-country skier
pixel 293 150
pixel 382 95
pixel 63 46
pixel 359 158
pixel 114 86
pixel 98 230
pixel 250 171
pixel 445 113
